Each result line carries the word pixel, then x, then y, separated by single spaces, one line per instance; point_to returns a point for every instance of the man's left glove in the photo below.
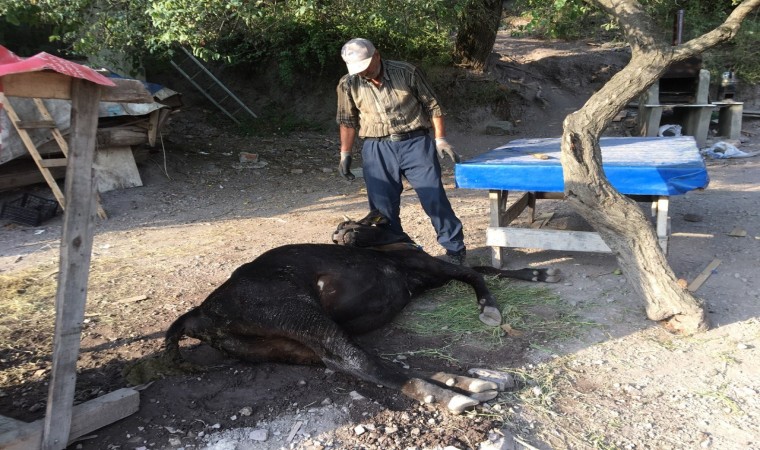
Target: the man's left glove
pixel 345 166
pixel 444 148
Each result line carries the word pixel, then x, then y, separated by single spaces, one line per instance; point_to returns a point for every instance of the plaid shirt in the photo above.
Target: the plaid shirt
pixel 404 102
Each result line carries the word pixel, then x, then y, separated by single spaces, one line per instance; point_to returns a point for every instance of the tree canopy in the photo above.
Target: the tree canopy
pixel 303 34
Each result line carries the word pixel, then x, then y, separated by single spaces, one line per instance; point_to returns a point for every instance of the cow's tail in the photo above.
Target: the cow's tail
pixel 175 333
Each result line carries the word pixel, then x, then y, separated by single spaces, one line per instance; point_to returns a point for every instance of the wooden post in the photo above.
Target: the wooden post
pixel 76 247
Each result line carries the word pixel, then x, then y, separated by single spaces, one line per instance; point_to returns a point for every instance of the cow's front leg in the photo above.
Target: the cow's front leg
pixel 339 352
pixel 489 309
pixel 481 390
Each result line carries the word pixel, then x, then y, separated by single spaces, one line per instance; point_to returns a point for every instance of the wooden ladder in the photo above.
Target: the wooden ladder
pixel 45 164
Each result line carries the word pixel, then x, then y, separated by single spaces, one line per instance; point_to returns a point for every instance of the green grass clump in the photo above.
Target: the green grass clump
pixel 534 312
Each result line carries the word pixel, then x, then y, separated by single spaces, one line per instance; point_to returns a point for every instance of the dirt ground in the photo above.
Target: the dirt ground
pixel 612 380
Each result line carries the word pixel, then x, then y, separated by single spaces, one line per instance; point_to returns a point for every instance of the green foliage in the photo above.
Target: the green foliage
pixel 300 35
pixel 574 19
pixel 561 19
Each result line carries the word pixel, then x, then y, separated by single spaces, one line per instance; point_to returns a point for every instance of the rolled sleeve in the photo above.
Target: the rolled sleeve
pixel 348 114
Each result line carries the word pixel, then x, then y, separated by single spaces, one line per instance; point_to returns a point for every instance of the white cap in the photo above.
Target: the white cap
pixel 357 53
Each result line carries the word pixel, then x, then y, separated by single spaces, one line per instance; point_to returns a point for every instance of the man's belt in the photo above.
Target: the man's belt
pixel 402 136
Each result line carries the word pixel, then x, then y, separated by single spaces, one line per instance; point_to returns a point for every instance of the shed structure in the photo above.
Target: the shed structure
pixel 47 76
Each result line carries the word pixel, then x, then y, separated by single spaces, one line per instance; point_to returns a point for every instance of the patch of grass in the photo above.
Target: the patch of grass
pixel 28 299
pixel 535 312
pixel 437 353
pixel 27 315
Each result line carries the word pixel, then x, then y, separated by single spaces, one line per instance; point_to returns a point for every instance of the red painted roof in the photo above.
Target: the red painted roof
pixel 10 63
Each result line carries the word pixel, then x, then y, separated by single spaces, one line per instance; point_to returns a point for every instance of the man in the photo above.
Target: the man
pixel 392 107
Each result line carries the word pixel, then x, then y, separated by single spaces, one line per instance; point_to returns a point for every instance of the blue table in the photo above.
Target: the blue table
pixel 644 168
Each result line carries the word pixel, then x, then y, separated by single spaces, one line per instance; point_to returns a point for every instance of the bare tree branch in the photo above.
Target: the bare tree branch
pixel 722 33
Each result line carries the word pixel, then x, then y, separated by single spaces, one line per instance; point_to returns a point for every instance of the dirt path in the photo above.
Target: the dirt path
pixel 613 380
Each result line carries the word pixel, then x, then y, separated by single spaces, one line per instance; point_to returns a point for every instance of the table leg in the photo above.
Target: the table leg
pixel 498 202
pixel 663 223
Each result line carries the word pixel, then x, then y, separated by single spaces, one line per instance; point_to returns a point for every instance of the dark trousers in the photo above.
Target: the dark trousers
pixel 385 162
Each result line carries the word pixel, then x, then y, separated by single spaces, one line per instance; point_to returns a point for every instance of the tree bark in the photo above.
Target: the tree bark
pixel 477 33
pixel 619 221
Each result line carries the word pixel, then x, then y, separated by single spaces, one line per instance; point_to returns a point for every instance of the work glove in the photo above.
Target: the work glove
pixel 345 166
pixel 444 148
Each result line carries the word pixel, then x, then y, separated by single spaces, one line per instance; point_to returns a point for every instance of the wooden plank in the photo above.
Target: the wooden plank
pixel 75 254
pixel 702 277
pixel 514 210
pixel 35 124
pixel 23 173
pixel 153 127
pixel 7 425
pixel 663 222
pixel 18 435
pixel 542 220
pixel 498 202
pixel 115 168
pixel 105 410
pixel 568 240
pixel 56 162
pixel 44 84
pixel 125 91
pixel 49 84
pixel 86 418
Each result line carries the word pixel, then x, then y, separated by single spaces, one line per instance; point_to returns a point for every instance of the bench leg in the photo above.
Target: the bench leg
pixel 663 222
pixel 498 202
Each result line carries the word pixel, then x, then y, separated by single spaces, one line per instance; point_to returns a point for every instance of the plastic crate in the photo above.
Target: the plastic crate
pixel 29 209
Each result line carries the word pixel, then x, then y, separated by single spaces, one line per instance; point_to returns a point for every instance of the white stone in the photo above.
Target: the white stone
pixel 259 434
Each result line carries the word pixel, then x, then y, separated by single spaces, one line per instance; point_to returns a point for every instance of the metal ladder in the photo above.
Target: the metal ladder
pixel 235 109
pixel 45 164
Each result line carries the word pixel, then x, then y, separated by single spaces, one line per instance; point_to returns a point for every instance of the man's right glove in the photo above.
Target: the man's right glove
pixel 345 166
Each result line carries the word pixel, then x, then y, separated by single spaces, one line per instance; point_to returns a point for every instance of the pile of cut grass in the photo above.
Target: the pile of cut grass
pixel 452 310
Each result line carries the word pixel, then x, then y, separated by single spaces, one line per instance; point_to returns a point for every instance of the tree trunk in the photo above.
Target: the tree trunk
pixel 477 33
pixel 619 221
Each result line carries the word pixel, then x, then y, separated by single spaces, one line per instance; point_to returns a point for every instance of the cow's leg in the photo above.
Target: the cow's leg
pixel 489 309
pixel 528 274
pixel 481 390
pixel 342 355
pixel 306 329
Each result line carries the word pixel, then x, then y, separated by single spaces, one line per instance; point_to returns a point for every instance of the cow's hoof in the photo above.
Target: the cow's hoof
pixel 476 385
pixel 464 383
pixel 459 403
pixel 485 395
pixel 547 275
pixel 490 316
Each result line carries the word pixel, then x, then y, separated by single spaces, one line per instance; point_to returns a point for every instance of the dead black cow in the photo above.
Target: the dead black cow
pixel 301 303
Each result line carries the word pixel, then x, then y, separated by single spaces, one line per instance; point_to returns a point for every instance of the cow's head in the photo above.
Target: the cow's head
pixel 371 231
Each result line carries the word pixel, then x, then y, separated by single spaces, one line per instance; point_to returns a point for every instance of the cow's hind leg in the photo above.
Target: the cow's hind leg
pixel 528 274
pixel 266 349
pixel 311 328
